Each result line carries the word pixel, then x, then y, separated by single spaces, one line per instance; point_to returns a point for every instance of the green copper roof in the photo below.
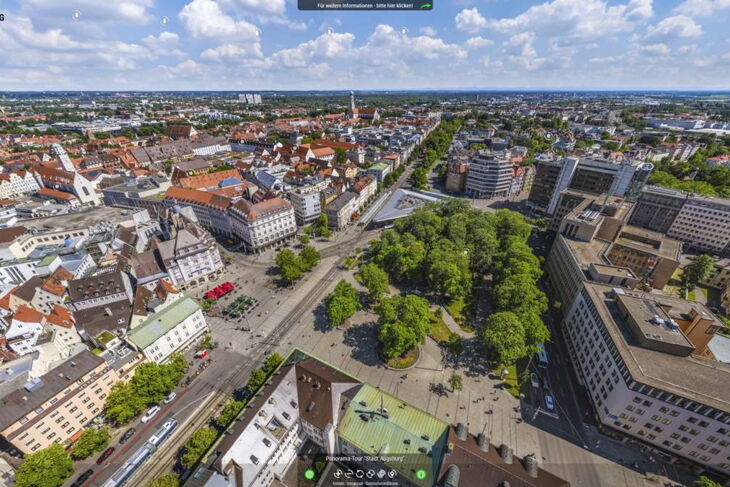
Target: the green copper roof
pixel 399 429
pixel 160 323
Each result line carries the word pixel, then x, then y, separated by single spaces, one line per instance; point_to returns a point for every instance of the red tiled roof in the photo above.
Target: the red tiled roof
pixel 61 316
pixel 28 315
pixel 201 198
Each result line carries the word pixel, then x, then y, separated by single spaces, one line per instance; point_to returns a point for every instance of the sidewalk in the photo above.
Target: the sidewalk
pixel 454 326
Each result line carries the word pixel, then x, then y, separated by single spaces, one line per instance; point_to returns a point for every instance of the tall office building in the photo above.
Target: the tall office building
pixel 615 178
pixel 640 358
pixel 489 176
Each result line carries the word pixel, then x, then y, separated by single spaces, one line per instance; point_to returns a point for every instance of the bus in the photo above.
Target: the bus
pixel 542 356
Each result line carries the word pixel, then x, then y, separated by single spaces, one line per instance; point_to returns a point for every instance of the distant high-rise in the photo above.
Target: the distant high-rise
pixel 249 99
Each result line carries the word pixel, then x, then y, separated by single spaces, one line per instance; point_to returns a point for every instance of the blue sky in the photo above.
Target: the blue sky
pixel 269 44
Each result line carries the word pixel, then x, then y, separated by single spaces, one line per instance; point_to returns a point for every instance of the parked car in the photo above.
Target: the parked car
pixel 549 402
pixel 170 397
pixel 201 354
pixel 534 380
pixel 150 413
pixel 127 435
pixel 107 453
pixel 82 478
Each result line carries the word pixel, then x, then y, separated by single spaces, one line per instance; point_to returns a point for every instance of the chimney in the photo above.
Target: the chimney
pixel 506 453
pixel 461 432
pixel 531 465
pixel 483 442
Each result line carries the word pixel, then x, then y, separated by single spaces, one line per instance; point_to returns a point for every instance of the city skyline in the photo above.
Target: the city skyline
pixel 232 45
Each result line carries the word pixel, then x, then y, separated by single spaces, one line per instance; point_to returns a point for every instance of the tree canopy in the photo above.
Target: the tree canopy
pixel 166 480
pixel 404 322
pixel 92 440
pixel 342 303
pixel 697 271
pixel 375 280
pixel 290 265
pixel 48 467
pixel 505 336
pixel 150 384
pixel 197 445
pixel 705 482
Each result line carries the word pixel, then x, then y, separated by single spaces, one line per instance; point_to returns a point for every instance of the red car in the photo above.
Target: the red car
pixel 107 453
pixel 201 354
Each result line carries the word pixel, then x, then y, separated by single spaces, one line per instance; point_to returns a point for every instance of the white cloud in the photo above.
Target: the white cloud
pixel 705 62
pixel 603 60
pixel 640 9
pixel 477 42
pixel 232 51
pixel 325 46
pixel 579 19
pixel 702 8
pixel 274 7
pixel 519 50
pixel 470 20
pixel 658 49
pixel 205 19
pixel 163 39
pixel 93 10
pixel 384 51
pixel 39 48
pixel 428 31
pixel 676 26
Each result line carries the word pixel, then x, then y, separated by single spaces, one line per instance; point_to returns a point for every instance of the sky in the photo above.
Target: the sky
pixel 271 45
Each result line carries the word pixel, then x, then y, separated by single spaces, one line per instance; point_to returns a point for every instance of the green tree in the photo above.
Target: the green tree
pixel 455 382
pixel 256 380
pixel 339 309
pixel 230 411
pixel 420 178
pixel 305 239
pixel 511 224
pixel 123 403
pixel 309 257
pixel 342 303
pixel 404 322
pixel 705 482
pixel 197 445
pixel 152 382
pixel 375 279
pixel 91 440
pixel 272 362
pixel 166 480
pixel 340 155
pixel 697 271
pixel 48 467
pixel 518 293
pixel 504 336
pixel 290 265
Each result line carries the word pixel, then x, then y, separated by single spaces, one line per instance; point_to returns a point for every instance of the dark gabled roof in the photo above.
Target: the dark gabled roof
pixel 21 401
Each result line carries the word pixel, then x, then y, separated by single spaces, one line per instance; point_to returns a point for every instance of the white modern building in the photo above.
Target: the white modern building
pixel 262 225
pixel 489 176
pixel 17 183
pixel 172 329
pixel 703 223
pixel 191 256
pixel 642 360
pixel 306 203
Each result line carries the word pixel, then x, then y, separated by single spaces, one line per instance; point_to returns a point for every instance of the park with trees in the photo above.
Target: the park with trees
pixel 477 265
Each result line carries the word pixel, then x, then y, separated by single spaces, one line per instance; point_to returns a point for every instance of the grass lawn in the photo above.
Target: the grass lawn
pixel 512 382
pixel 405 361
pixel 691 295
pixel 439 331
pixel 457 309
